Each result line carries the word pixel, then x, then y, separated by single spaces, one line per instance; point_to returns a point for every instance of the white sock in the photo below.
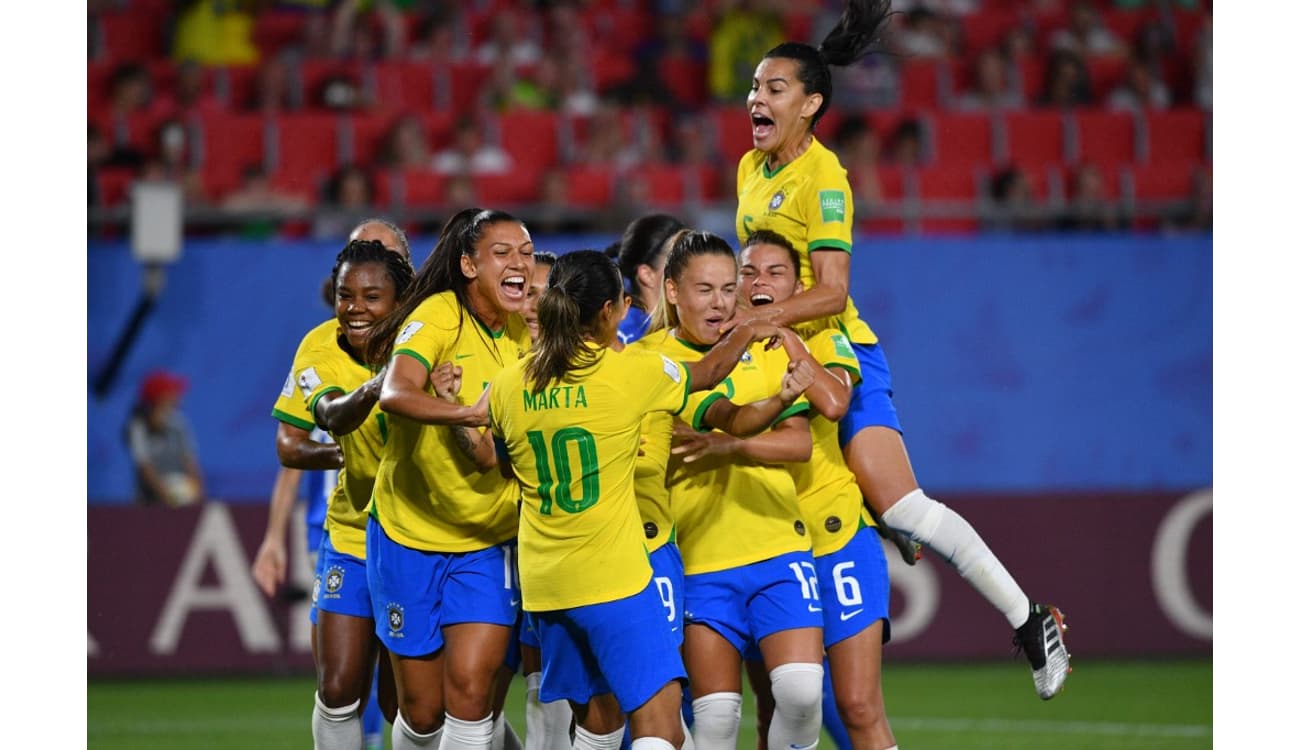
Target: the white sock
pixel 460 734
pixel 546 725
pixel 941 529
pixel 584 740
pixel 797 720
pixel 405 738
pixel 688 743
pixel 652 743
pixel 717 721
pixel 336 728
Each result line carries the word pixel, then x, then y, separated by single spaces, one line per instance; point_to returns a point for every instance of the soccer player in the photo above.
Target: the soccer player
pixel 641 254
pixel 342 391
pixel 440 541
pixel 792 184
pixel 300 446
pixel 851 571
pixel 763 590
pixel 568 418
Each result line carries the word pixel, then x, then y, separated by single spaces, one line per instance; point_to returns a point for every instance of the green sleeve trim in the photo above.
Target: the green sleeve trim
pixel 791 411
pixel 852 371
pixel 316 399
pixel 830 244
pixel 697 420
pixel 291 419
pixel 416 356
pixel 686 394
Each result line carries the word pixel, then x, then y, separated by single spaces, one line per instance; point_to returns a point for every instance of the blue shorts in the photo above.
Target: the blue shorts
pixel 340 585
pixel 527 636
pixel 872 403
pixel 415 593
pixel 854 582
pixel 611 647
pixel 670 580
pixel 749 603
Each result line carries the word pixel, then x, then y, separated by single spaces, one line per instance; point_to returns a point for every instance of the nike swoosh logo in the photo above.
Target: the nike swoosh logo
pixel 802 747
pixel 811 608
pixel 463 356
pixel 846 615
pixel 514 602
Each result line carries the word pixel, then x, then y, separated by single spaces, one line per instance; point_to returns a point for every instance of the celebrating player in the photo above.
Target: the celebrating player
pixel 568 417
pixel 790 183
pixel 762 591
pixel 440 540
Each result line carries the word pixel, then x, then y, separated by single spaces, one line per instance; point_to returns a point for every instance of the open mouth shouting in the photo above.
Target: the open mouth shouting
pixel 763 126
pixel 514 288
pixel 760 298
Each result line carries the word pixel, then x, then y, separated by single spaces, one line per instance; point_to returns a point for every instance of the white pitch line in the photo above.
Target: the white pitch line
pixel 1040 726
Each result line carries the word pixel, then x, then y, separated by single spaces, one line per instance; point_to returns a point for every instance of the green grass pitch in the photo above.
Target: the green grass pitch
pixel 1152 705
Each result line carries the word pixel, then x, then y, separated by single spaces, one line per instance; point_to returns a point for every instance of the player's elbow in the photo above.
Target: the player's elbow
pixel 801 448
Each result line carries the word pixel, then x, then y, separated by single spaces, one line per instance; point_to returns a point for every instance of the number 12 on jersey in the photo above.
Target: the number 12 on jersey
pixel 556 487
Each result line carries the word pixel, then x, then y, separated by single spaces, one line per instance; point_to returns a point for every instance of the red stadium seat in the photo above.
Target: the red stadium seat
pixel 128 35
pixel 459 85
pixel 1104 137
pixel 402 85
pixel 228 143
pixel 529 136
pixel 686 79
pixel 589 186
pixel 953 188
pixel 1034 138
pixel 305 145
pixel 274 30
pixel 114 186
pixel 313 74
pixel 1176 135
pixel 1104 74
pixel 666 183
pixel 235 85
pixel 367 133
pixel 732 132
pixel 516 186
pixel 1163 181
pixel 1125 23
pixel 1032 72
pixel 893 192
pixel 919 81
pixel 421 188
pixel 986 28
pixel 960 138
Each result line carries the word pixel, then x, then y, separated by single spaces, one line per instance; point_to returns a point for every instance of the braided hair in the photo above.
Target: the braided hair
pixel 361 252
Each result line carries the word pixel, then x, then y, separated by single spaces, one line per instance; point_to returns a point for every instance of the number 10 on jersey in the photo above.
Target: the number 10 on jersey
pixel 556 487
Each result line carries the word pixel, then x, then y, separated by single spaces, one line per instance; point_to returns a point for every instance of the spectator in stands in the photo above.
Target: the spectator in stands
pixel 507 38
pixel 1067 81
pixel 745 29
pixel 1140 90
pixel 171 160
pixel 566 35
pixel 1090 208
pixel 922 35
pixel 435 38
pixel 406 145
pixel 341 92
pixel 367 30
pixel 506 89
pixel 190 92
pixel 349 198
pixel 1196 214
pixel 162 445
pixel 574 93
pixel 468 154
pixel 605 142
pixel 554 213
pixel 271 92
pixel 992 86
pixel 130 90
pixel 858 146
pixel 459 192
pixel 256 194
pixel 1085 34
pixel 689 142
pixel 1013 206
pixel 215 32
pixel 1018 43
pixel 906 147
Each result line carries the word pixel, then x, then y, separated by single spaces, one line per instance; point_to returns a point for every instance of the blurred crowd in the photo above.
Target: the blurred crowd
pixel 645 94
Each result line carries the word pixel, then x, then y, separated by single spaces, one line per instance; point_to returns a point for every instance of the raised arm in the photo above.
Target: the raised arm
pixel 340 413
pixel 829 296
pixel 754 417
pixel 790 441
pixel 710 369
pixel 831 388
pixel 403 393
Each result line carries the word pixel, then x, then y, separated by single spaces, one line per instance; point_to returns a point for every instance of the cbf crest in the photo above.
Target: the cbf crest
pixel 333 582
pixel 396 619
pixel 776 201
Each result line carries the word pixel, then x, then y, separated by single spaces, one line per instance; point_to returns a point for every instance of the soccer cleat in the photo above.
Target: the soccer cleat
pixel 1042 639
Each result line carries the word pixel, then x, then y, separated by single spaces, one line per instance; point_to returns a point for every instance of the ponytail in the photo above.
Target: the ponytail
pixel 580 285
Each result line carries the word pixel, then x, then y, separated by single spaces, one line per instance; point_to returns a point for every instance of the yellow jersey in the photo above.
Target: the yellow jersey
pixel 808 201
pixel 289 406
pixel 428 494
pixel 650 479
pixel 573 447
pixel 731 511
pixel 326 368
pixel 829 498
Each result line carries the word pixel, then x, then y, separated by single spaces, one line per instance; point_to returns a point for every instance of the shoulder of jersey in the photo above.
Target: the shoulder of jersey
pixel 323 336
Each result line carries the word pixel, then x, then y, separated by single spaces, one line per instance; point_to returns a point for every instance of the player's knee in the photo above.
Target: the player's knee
pixel 860 710
pixel 797 689
pixel 717 717
pixel 421 719
pixel 338 689
pixel 469 694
